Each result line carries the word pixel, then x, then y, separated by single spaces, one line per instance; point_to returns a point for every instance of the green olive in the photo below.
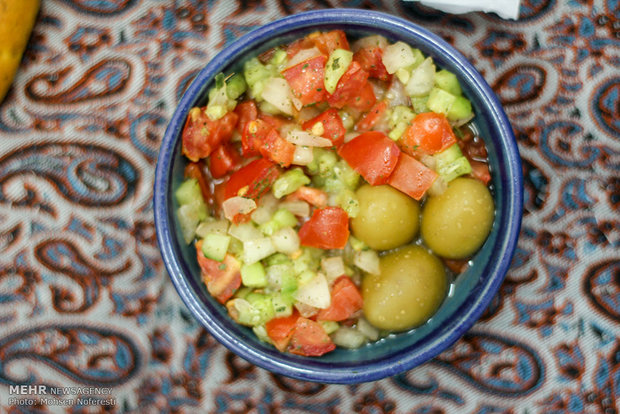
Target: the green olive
pixel 456 223
pixel 409 290
pixel 387 218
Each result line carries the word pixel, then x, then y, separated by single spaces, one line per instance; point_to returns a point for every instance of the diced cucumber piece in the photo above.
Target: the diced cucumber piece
pixel 242 292
pixel 448 155
pixel 236 86
pixel 278 58
pixel 396 56
pixel 448 81
pixel 404 74
pixel 398 114
pixel 253 275
pixel 254 71
pixel 460 109
pixel 188 192
pixel 282 305
pixel 244 232
pixel 215 246
pixel 216 111
pixel 357 244
pixel 281 218
pixel 419 104
pixel 278 258
pixel 261 333
pixel 440 101
pixel 343 177
pixel 257 249
pixel 398 131
pixel 289 182
pixel 418 57
pixel 235 247
pixel 288 285
pixel 329 326
pixel 456 168
pixel 348 202
pixel 337 64
pixel 263 304
pixel 422 79
pixel 212 226
pixel 268 108
pixel 348 337
pixel 308 260
pixel 189 216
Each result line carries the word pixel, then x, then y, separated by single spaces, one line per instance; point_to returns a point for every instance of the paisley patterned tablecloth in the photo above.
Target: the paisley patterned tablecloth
pixel 86 302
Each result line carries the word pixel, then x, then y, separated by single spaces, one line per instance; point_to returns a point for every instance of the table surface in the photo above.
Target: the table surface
pixel 85 299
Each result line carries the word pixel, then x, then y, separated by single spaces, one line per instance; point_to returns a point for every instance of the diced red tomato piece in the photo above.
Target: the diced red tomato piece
pixel 311 195
pixel 310 339
pixel 346 301
pixel 348 89
pixel 306 80
pixel 223 160
pixel 275 122
pixel 371 60
pixel 260 135
pixel 372 154
pixel 280 330
pixel 222 278
pixel 370 118
pixel 458 266
pixel 328 228
pixel 480 171
pixel 429 133
pixel 257 176
pixel 327 42
pixel 332 125
pixel 365 98
pixel 247 111
pixel 297 45
pixel 412 177
pixel 196 170
pixel 201 135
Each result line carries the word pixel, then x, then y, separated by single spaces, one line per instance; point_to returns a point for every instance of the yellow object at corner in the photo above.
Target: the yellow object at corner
pixel 17 18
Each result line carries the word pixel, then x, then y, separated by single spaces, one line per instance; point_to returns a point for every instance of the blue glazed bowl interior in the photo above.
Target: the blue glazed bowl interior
pixel 471 292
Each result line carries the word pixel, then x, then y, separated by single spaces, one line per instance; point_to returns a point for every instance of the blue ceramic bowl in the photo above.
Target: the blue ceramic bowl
pixel 472 291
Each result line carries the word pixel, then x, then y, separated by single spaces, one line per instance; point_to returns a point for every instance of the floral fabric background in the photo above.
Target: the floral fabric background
pixel 85 299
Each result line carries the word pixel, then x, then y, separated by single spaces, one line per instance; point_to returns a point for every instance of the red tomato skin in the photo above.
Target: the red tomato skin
pixel 257 176
pixel 370 118
pixel 346 301
pixel 306 80
pixel 195 170
pixel 327 42
pixel 309 339
pixel 223 160
pixel 412 177
pixel 349 86
pixel 365 98
pixel 371 60
pixel 328 228
pixel 277 149
pixel 372 154
pixel 246 111
pixel 201 135
pixel 429 133
pixel 280 330
pixel 297 45
pixel 311 195
pixel 480 171
pixel 221 278
pixel 332 125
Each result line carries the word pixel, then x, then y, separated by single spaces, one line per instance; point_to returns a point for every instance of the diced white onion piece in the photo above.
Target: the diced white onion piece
pixel 367 329
pixel 302 155
pixel 307 113
pixel 378 89
pixel 429 161
pixel 333 267
pixel 237 205
pixel 266 208
pixel 422 79
pixel 297 207
pixel 396 94
pixel 315 292
pixel 369 41
pixel 275 273
pixel 348 337
pixel 302 56
pixel 257 249
pixel 397 55
pixel 297 103
pixel 349 136
pixel 244 232
pixel 306 311
pixel 305 138
pixel 285 240
pixel 217 226
pixel 368 261
pixel 278 93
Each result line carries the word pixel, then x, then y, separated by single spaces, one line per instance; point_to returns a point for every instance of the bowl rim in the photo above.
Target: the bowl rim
pixel 391 364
